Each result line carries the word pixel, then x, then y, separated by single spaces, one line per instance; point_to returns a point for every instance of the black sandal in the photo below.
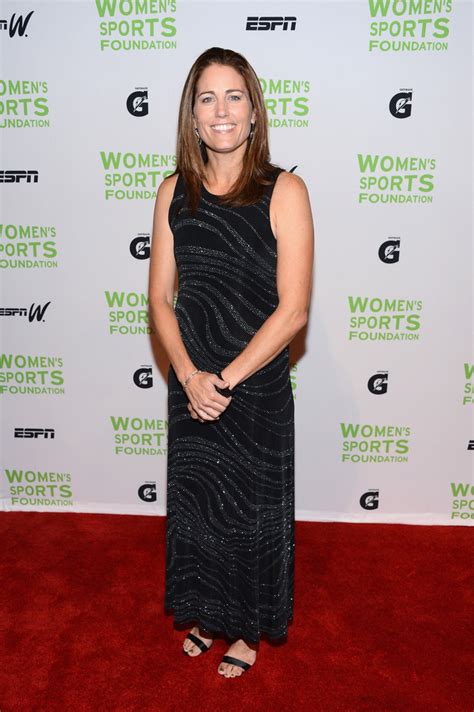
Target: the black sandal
pixel 235 661
pixel 197 641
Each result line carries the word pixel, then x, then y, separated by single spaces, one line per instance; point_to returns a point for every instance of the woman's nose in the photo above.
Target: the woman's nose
pixel 221 107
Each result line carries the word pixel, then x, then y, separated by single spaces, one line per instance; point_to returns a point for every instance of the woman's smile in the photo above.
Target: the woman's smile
pixel 222 107
pixel 223 128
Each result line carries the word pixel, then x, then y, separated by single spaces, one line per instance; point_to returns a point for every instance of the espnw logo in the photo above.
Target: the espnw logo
pixel 35 313
pixel 16 26
pixel 270 23
pixel 470 445
pixel 389 251
pixel 28 433
pixel 378 383
pixel 18 176
pixel 147 492
pixel 140 246
pixel 370 499
pixel 400 104
pixel 137 102
pixel 143 377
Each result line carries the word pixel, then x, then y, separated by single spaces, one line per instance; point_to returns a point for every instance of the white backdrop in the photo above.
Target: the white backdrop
pixel 356 92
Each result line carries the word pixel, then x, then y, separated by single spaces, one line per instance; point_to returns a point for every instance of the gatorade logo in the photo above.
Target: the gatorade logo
pixel 147 492
pixel 400 104
pixel 370 499
pixel 137 103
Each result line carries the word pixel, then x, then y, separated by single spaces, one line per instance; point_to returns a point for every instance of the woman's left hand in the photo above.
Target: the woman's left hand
pixel 193 413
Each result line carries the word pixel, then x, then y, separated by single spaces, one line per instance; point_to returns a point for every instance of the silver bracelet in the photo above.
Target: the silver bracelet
pixel 190 376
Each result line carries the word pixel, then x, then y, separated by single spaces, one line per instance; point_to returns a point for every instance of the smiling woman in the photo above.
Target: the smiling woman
pixel 223 118
pixel 238 230
pixel 222 99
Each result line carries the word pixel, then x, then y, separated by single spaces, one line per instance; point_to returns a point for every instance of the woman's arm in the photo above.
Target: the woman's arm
pixel 295 252
pixel 204 400
pixel 161 283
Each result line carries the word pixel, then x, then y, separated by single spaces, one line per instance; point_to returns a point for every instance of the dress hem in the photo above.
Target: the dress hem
pixel 197 620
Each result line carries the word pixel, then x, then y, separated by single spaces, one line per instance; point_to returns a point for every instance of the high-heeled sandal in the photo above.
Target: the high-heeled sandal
pixel 235 661
pixel 197 641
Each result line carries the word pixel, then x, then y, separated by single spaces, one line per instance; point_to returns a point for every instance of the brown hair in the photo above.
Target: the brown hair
pixel 191 157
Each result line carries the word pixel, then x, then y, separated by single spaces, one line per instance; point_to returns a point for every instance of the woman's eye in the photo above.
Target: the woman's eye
pixel 231 97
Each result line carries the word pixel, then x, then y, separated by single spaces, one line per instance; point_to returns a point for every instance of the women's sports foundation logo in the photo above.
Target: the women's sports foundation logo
pixel 407 26
pixel 126 25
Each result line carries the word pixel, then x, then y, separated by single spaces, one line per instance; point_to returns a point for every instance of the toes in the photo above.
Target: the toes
pixel 189 647
pixel 228 670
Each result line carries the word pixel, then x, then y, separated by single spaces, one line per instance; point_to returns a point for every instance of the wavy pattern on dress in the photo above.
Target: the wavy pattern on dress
pixel 230 487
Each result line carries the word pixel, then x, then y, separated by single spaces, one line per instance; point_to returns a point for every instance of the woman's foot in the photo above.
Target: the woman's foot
pixel 242 651
pixel 191 648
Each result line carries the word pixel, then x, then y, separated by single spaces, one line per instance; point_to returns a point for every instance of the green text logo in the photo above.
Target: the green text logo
pixel 23 104
pixel 128 313
pixel 31 375
pixel 139 436
pixel 287 102
pixel 34 488
pixel 143 25
pixel 135 176
pixel 28 247
pixel 463 500
pixel 468 398
pixel 395 179
pixel 380 319
pixel 409 25
pixel 374 443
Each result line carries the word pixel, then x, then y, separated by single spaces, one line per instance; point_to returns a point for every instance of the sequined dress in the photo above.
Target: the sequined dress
pixel 230 483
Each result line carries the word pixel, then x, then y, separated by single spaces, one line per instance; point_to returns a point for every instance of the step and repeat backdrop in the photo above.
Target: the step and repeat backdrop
pixel 370 103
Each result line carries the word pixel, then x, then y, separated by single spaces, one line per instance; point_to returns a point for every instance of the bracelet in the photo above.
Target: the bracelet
pixel 190 376
pixel 227 392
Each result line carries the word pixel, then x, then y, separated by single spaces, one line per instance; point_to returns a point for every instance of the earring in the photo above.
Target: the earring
pixel 252 126
pixel 198 136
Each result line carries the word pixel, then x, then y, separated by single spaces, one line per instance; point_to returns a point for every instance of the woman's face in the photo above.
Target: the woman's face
pixel 222 108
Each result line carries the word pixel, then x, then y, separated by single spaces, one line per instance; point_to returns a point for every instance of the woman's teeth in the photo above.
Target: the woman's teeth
pixel 223 127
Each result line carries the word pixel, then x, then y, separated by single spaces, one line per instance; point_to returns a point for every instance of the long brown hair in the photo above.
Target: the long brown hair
pixel 192 157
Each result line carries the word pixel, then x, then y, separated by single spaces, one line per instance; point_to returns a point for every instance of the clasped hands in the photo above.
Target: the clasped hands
pixel 205 403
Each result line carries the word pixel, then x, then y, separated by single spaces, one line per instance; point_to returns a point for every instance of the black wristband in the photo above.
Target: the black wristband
pixel 223 391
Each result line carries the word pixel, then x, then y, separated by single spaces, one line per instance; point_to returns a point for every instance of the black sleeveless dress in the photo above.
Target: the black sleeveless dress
pixel 230 486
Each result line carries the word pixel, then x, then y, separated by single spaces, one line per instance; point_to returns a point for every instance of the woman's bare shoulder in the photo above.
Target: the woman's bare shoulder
pixel 292 182
pixel 290 193
pixel 166 189
pixel 165 192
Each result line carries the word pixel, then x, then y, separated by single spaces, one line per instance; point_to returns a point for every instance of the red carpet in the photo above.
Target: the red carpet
pixel 383 622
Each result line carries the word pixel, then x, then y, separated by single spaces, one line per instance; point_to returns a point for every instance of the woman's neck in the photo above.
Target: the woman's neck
pixel 222 170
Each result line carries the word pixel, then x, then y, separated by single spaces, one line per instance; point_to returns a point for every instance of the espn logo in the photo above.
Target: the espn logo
pixel 270 23
pixel 17 176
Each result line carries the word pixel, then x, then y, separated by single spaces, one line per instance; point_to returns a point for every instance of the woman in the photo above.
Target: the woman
pixel 239 231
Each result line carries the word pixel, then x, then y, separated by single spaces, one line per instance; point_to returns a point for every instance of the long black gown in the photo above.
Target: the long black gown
pixel 230 486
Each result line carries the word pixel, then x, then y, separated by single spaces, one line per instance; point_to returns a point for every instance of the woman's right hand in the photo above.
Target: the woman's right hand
pixel 205 403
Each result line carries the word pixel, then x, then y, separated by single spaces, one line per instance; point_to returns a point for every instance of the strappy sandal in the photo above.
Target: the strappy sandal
pixel 235 661
pixel 197 641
